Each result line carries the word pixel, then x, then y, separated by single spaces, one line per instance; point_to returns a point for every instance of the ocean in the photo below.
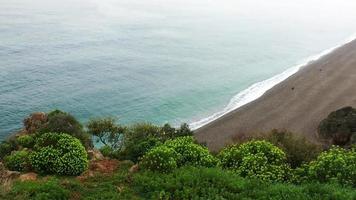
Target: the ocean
pixel 158 61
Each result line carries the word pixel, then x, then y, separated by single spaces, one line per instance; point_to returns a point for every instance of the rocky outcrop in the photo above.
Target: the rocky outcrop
pixel 104 166
pixel 28 177
pixel 33 122
pixel 95 155
pixel 134 169
pixel 7 177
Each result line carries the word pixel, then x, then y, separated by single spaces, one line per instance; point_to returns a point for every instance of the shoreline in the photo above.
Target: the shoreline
pixel 219 131
pixel 258 89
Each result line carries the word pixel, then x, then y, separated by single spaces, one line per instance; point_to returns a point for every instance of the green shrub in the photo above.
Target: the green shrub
pixel 339 126
pixel 62 122
pixel 215 183
pixel 334 165
pixel 59 153
pixel 160 158
pixel 190 153
pixel 297 149
pixel 255 159
pixel 18 161
pixel 26 141
pixel 6 147
pixel 136 150
pixel 141 137
pixel 107 151
pixel 39 190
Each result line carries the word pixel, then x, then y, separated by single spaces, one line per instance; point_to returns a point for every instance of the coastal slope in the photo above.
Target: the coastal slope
pixel 298 104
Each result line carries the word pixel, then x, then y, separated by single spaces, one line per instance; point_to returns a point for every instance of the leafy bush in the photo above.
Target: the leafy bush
pixel 190 153
pixel 339 126
pixel 18 161
pixel 297 149
pixel 161 158
pixel 62 122
pixel 59 153
pixel 6 147
pixel 214 183
pixel 256 159
pixel 107 151
pixel 26 141
pixel 335 165
pixel 139 138
pixel 135 151
pixel 39 190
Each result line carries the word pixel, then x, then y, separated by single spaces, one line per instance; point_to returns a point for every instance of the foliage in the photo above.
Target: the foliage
pixel 183 183
pixel 334 165
pixel 136 150
pixel 160 158
pixel 44 190
pixel 107 132
pixel 106 151
pixel 339 126
pixel 18 161
pixel 59 153
pixel 190 153
pixel 141 137
pixel 297 149
pixel 6 147
pixel 214 183
pixel 26 141
pixel 255 159
pixel 62 122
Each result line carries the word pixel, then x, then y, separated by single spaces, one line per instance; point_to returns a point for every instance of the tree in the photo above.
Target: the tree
pixel 107 132
pixel 339 126
pixel 62 122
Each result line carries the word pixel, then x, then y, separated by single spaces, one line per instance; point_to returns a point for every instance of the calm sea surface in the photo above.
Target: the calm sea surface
pixel 154 60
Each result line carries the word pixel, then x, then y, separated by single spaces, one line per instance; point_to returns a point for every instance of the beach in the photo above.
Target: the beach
pixel 297 104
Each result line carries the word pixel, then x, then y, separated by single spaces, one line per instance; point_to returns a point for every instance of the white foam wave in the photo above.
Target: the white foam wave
pixel 258 89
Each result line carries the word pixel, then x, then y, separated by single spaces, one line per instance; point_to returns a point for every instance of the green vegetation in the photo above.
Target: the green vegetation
pixel 140 138
pixel 107 132
pixel 18 161
pixel 59 153
pixel 39 190
pixel 334 165
pixel 170 164
pixel 175 153
pixel 255 159
pixel 62 122
pixel 190 153
pixel 214 183
pixel 6 147
pixel 26 141
pixel 161 159
pixel 339 126
pixel 184 183
pixel 298 150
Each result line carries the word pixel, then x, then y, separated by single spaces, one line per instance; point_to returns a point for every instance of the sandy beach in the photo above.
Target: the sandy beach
pixel 297 104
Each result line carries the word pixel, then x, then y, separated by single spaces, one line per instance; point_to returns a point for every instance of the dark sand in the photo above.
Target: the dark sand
pixel 297 104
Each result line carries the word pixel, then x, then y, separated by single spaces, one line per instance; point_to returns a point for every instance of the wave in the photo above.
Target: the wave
pixel 258 89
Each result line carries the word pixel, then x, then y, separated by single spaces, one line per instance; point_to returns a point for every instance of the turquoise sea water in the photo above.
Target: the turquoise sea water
pixel 155 60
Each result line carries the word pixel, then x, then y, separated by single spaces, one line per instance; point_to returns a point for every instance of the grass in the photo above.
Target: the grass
pixel 183 183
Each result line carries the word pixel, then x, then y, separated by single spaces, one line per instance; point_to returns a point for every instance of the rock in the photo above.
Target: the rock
pixel 28 177
pixel 134 169
pixel 95 154
pixel 7 177
pixel 104 166
pixel 87 174
pixel 35 121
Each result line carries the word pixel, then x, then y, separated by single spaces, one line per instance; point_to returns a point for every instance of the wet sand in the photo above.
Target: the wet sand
pixel 298 104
